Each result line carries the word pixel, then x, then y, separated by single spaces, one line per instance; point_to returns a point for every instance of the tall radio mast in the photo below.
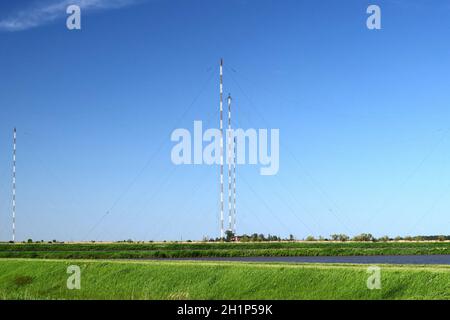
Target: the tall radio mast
pixel 222 232
pixel 14 187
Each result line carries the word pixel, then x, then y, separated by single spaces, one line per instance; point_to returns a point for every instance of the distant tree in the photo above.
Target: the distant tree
pixel 229 235
pixel 398 238
pixel 30 241
pixel 441 238
pixel 310 238
pixel 340 237
pixel 384 239
pixel 291 237
pixel 273 238
pixel 364 237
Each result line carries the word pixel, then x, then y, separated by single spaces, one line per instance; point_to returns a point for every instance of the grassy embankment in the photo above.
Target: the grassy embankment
pixel 187 250
pixel 46 279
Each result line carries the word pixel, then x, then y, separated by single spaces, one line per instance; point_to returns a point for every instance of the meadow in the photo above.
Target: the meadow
pixel 205 249
pixel 113 279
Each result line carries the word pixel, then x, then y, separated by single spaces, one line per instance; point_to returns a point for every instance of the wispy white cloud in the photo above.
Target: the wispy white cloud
pixel 49 11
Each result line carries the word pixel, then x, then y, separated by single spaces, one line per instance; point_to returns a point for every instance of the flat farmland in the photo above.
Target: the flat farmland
pixel 205 250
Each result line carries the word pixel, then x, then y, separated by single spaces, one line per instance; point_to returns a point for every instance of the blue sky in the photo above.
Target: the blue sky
pixel 363 116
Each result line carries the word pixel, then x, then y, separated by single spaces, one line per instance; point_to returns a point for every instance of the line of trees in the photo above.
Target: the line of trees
pixel 363 237
pixel 367 237
pixel 255 237
pixel 259 237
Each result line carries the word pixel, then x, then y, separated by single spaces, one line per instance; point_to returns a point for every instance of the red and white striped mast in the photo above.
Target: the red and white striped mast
pixel 229 153
pixel 222 232
pixel 14 187
pixel 234 184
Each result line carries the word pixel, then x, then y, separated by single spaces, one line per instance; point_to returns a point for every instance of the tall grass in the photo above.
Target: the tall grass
pixel 46 279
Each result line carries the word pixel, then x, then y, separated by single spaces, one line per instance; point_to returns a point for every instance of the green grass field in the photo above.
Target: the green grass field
pixel 102 279
pixel 186 250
